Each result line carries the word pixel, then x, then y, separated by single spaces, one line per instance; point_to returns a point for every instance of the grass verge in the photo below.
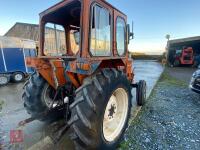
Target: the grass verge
pixel 166 78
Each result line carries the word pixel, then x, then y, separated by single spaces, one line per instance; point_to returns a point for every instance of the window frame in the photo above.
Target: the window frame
pixel 125 36
pixel 80 42
pixel 43 21
pixel 66 49
pixel 90 29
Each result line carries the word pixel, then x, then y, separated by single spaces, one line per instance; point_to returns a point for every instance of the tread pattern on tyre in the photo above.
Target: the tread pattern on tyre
pixel 32 93
pixel 32 98
pixel 87 108
pixel 140 93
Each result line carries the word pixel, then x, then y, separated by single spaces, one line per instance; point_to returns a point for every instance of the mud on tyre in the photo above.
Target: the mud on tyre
pixel 99 102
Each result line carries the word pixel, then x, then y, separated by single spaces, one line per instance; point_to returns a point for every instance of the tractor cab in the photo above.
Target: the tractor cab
pixel 83 28
pixel 80 36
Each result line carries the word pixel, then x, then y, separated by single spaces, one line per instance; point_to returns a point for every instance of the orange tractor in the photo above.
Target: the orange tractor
pixel 84 73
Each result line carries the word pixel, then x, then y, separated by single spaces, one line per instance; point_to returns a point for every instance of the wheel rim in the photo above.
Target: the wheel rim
pixel 3 80
pixel 18 77
pixel 48 96
pixel 115 115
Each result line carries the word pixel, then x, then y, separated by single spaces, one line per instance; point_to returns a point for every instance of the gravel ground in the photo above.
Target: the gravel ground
pixel 170 118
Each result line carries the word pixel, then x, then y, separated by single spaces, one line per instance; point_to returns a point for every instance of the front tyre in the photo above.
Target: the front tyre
pixel 101 110
pixel 141 92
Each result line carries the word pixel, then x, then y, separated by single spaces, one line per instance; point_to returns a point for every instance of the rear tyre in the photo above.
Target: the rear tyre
pixel 102 102
pixel 141 93
pixel 4 79
pixel 17 77
pixel 37 98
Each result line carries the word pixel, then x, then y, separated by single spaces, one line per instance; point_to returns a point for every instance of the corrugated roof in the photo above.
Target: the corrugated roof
pixel 20 23
pixel 189 39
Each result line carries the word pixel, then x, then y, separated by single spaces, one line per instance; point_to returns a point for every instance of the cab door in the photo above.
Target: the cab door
pixel 101 30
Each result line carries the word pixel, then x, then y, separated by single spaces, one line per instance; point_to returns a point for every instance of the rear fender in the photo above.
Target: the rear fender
pixel 51 70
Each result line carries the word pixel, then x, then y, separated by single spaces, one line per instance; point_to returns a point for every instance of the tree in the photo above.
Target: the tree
pixel 167 37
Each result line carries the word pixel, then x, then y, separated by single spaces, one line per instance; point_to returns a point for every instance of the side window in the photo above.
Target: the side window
pixel 121 36
pixel 74 40
pixel 55 40
pixel 100 36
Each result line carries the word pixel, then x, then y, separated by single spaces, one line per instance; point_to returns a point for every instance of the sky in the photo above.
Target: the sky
pixel 153 19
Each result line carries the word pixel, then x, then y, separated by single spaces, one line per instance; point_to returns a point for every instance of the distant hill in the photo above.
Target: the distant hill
pixel 144 56
pixel 138 53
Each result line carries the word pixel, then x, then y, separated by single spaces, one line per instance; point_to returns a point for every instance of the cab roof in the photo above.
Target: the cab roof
pixel 64 2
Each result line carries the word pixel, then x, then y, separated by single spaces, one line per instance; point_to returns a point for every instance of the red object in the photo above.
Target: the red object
pixel 16 136
pixel 186 57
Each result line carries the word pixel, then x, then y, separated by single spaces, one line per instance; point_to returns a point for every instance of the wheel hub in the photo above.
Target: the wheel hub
pixel 3 80
pixel 115 114
pixel 18 77
pixel 112 111
pixel 111 108
pixel 49 96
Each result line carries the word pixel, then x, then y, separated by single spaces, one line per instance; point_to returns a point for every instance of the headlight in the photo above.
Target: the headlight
pixel 196 73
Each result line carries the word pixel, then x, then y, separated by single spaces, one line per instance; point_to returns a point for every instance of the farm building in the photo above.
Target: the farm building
pixel 24 31
pixel 173 46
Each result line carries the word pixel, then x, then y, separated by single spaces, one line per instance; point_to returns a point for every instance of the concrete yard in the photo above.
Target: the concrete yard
pixel 13 111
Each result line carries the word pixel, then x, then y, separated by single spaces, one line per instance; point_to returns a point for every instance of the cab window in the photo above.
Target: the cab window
pixel 121 36
pixel 62 30
pixel 74 39
pixel 55 40
pixel 100 32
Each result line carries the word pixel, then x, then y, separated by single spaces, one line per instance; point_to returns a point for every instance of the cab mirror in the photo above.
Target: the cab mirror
pixel 130 34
